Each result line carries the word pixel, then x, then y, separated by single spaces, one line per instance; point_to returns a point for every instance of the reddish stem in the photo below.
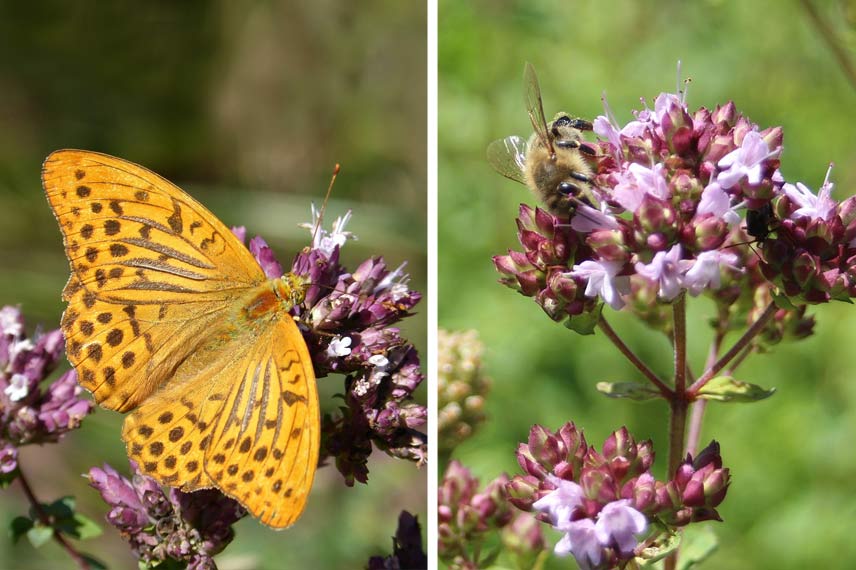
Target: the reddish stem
pixel 629 354
pixel 739 346
pixel 46 521
pixel 699 406
pixel 678 402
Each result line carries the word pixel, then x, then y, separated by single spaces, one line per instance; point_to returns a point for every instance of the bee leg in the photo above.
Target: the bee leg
pixel 580 176
pixel 581 124
pixel 568 143
pixel 584 148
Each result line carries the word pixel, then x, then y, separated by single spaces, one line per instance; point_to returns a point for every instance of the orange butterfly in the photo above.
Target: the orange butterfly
pixel 171 318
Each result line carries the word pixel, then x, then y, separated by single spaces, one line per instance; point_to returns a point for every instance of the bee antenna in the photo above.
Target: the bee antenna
pixel 324 203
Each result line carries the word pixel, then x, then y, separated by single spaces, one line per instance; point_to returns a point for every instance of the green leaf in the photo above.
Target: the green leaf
pixel 487 561
pixel 727 389
pixel 83 527
pixel 782 301
pixel 7 478
pixel 39 535
pixel 584 324
pixel 628 390
pixel 58 510
pixel 700 542
pixel 19 527
pixel 660 548
pixel 61 508
pixel 69 522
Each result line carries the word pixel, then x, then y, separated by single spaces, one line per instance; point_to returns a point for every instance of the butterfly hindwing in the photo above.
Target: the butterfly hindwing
pixel 247 424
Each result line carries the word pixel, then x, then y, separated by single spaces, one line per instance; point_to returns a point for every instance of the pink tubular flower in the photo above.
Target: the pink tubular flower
pixel 618 524
pixel 346 321
pixel 602 280
pixel 588 220
pixel 705 271
pixel 31 410
pixel 637 181
pixel 264 254
pixel 715 201
pixel 820 207
pixel 561 503
pixel 664 210
pixel 581 541
pixel 666 270
pixel 166 525
pixel 603 500
pixel 745 161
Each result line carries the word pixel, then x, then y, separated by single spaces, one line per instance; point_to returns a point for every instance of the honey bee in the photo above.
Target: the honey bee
pixel 552 163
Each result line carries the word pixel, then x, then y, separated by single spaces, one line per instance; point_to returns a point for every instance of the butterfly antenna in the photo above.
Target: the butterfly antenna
pixel 336 170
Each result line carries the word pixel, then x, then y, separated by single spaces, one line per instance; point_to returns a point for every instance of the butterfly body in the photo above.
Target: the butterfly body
pixel 171 318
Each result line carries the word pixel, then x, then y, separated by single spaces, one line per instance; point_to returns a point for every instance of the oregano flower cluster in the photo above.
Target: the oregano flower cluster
pixel 679 199
pixel 681 204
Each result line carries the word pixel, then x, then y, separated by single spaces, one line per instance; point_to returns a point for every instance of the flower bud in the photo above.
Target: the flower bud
pixel 461 384
pixel 524 539
pixel 725 114
pixel 656 216
pixel 523 491
pixel 608 245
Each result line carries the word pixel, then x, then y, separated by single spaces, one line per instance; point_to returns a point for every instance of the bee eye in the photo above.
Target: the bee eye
pixel 562 121
pixel 568 189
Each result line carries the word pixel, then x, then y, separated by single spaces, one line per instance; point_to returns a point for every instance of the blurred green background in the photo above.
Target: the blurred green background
pixel 792 502
pixel 247 106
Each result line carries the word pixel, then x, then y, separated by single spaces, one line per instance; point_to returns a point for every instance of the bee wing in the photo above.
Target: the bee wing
pixel 508 157
pixel 535 107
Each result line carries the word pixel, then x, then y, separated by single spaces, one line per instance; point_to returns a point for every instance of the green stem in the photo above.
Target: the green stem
pixel 832 40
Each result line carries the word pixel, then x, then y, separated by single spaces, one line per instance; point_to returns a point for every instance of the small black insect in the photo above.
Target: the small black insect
pixel 758 223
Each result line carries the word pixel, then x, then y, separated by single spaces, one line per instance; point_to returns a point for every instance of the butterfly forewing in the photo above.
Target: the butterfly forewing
pixel 158 322
pixel 151 268
pixel 129 232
